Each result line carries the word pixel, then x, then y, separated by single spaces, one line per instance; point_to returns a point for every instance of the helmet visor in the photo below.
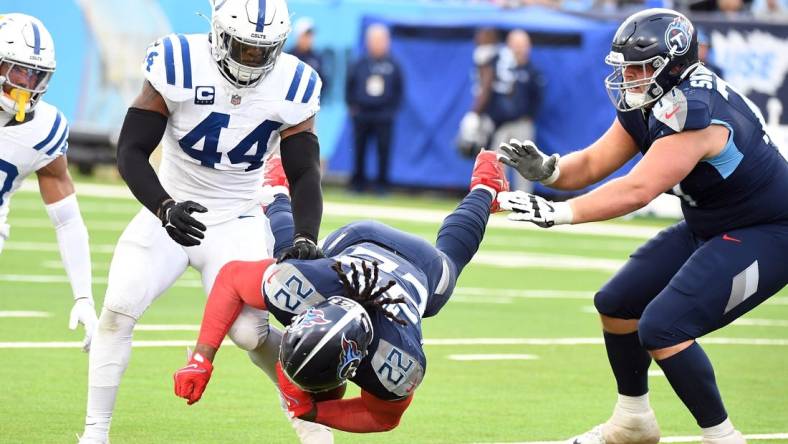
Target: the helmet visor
pixel 16 75
pixel 252 55
pixel 631 85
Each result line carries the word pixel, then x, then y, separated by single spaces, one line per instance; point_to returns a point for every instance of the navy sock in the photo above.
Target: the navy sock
pixel 629 361
pixel 692 377
pixel 280 215
pixel 462 231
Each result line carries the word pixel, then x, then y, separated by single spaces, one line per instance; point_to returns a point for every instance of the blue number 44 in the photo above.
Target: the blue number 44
pixel 10 174
pixel 210 129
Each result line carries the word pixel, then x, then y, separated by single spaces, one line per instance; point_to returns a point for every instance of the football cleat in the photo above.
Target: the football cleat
pixel 308 432
pixel 623 428
pixel 489 173
pixel 274 175
pixel 734 438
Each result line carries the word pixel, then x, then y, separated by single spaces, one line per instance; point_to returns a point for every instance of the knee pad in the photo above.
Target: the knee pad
pixel 655 332
pixel 250 328
pixel 610 304
pixel 115 324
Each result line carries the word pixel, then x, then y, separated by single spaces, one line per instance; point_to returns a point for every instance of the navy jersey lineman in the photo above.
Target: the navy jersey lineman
pixel 355 315
pixel 219 102
pixel 707 144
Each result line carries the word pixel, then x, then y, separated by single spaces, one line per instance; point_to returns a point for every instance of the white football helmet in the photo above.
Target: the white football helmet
pixel 27 61
pixel 247 37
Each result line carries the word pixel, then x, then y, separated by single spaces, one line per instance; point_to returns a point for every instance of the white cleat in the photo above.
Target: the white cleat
pixel 623 428
pixel 84 440
pixel 312 432
pixel 734 438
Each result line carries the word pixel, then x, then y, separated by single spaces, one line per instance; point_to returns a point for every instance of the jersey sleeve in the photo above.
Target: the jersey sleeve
pixel 302 95
pixel 287 292
pixel 167 66
pixel 680 110
pixel 55 144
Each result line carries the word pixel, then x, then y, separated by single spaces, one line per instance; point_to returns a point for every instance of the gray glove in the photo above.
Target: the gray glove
pixel 531 163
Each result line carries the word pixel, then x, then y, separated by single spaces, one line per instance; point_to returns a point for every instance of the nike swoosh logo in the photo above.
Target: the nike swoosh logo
pixel 672 112
pixel 245 217
pixel 731 239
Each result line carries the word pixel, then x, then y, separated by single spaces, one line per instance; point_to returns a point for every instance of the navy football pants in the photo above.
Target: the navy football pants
pixel 681 287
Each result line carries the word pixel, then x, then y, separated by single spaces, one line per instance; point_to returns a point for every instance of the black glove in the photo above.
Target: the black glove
pixel 303 248
pixel 176 219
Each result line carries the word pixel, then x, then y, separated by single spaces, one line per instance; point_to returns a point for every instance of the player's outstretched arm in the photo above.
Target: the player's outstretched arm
pixel 237 283
pixel 141 133
pixel 300 152
pixel 57 191
pixel 576 170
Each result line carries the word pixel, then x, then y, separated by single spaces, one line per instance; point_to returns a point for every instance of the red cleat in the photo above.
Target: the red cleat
pixel 274 174
pixel 487 171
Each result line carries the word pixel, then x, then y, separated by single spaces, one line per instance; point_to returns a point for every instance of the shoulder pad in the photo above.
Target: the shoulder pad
pixel 301 87
pixel 288 292
pixel 396 370
pixel 168 67
pixel 54 137
pixel 680 110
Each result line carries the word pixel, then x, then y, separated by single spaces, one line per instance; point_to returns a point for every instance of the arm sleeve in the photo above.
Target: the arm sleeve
pixel 141 133
pixel 301 162
pixel 364 414
pixel 72 239
pixel 237 283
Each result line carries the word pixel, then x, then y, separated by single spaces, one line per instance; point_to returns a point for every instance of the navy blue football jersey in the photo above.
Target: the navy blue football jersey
pixel 746 183
pixel 395 363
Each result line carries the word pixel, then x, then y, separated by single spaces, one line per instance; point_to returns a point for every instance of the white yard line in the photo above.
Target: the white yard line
pixel 500 259
pixel 166 327
pixel 433 342
pixel 58 279
pixel 53 247
pixel 493 357
pixel 761 322
pixel 25 314
pixel 671 439
pixel 526 294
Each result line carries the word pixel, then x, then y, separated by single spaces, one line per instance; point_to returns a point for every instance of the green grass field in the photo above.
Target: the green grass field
pixel 565 390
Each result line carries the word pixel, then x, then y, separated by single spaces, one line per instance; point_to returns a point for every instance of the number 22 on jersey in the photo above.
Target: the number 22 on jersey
pixel 210 130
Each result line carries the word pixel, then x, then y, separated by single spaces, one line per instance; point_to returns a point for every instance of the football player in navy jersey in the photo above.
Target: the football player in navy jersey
pixel 354 315
pixel 707 144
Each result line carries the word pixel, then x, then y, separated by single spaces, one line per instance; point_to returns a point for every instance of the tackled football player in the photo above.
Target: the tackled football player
pixel 219 101
pixel 706 143
pixel 355 315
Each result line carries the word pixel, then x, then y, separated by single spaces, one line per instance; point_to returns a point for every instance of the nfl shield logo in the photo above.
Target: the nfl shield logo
pixel 235 99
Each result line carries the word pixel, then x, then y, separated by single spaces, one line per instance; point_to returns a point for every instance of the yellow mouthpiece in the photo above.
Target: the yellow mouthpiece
pixel 21 97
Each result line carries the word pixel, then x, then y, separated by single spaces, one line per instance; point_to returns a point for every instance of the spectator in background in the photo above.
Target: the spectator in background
pixel 373 94
pixel 304 30
pixel 476 127
pixel 776 10
pixel 516 92
pixel 704 45
pixel 731 8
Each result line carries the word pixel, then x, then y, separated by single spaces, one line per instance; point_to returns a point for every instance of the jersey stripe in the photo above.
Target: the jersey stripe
pixel 310 87
pixel 169 61
pixel 59 142
pixel 51 134
pixel 36 39
pixel 187 62
pixel 260 15
pixel 296 81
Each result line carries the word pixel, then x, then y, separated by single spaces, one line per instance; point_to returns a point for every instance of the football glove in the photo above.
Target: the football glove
pixel 83 313
pixel 180 225
pixel 299 402
pixel 303 248
pixel 191 380
pixel 531 163
pixel 532 208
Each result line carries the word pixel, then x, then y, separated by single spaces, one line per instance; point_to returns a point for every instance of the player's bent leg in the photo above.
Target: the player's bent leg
pixel 145 263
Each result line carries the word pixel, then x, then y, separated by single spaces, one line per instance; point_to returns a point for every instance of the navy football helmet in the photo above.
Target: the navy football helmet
pixel 658 47
pixel 323 346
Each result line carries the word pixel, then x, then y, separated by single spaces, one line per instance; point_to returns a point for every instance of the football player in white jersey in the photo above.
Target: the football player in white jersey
pixel 34 138
pixel 218 102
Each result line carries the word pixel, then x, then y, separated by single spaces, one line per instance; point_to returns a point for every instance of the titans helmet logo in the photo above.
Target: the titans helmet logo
pixel 349 358
pixel 309 318
pixel 678 36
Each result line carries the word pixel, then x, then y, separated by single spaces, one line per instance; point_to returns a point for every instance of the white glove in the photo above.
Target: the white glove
pixel 532 208
pixel 84 313
pixel 531 163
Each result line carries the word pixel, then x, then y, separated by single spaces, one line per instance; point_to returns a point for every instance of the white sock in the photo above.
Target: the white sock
pixel 720 430
pixel 109 356
pixel 266 355
pixel 633 404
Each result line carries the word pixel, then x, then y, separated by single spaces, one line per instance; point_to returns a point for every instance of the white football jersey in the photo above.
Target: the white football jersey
pixel 28 147
pixel 217 135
